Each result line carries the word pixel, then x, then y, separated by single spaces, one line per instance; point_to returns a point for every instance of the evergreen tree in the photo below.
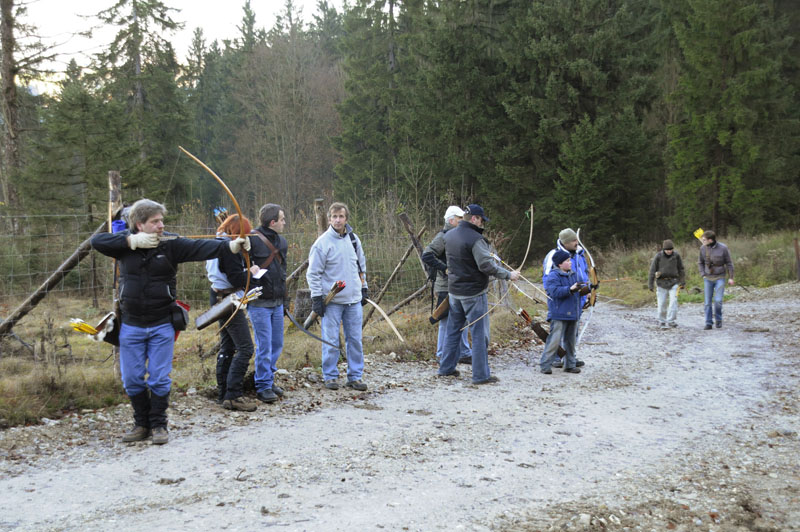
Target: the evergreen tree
pixel 733 148
pixel 140 69
pixel 83 138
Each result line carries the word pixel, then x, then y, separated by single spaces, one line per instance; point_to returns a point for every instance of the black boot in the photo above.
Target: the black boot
pixel 158 418
pixel 141 417
pixel 223 367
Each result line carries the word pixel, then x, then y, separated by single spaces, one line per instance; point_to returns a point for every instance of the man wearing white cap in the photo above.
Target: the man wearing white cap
pixel 434 257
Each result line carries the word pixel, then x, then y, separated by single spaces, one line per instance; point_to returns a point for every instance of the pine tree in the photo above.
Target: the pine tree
pixel 732 148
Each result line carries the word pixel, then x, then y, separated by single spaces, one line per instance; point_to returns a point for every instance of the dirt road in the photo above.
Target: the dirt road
pixel 683 429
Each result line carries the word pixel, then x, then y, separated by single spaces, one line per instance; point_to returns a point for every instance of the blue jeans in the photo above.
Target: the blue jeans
pixel 713 290
pixel 350 317
pixel 463 311
pixel 561 333
pixel 268 330
pixel 465 349
pixel 146 350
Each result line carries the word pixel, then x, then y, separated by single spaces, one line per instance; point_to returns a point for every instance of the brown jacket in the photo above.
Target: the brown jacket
pixel 714 260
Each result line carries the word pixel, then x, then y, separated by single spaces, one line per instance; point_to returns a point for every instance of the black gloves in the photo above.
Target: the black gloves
pixel 318 305
pixel 364 296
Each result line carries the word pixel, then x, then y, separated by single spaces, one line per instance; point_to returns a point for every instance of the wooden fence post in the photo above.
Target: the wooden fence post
pixel 797 257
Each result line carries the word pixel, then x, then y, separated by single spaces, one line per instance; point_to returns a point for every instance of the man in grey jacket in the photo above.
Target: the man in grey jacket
pixel 666 272
pixel 469 265
pixel 337 255
pixel 714 261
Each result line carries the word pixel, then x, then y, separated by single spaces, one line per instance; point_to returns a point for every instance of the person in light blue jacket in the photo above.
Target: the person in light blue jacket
pixel 337 255
pixel 564 309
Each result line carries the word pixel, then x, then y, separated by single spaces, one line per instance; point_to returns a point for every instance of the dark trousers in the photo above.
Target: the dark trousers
pixel 235 351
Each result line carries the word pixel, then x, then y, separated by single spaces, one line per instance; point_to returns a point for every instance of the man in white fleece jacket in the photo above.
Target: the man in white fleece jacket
pixel 337 255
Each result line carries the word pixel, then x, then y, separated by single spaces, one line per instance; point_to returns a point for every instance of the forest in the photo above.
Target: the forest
pixel 634 119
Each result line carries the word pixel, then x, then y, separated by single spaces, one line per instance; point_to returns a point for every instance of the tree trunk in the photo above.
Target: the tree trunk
pixel 10 108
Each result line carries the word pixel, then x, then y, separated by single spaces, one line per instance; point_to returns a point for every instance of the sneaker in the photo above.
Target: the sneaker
pixel 664 326
pixel 547 371
pixel 465 360
pixel 454 373
pixel 708 327
pixel 137 433
pixel 277 390
pixel 580 363
pixel 267 396
pixel 673 324
pixel 160 436
pixel 240 404
pixel 558 363
pixel 357 385
pixel 572 370
pixel 332 384
pixel 491 380
pixel 719 325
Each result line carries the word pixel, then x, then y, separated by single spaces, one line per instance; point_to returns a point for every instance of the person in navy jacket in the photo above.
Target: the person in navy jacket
pixel 564 309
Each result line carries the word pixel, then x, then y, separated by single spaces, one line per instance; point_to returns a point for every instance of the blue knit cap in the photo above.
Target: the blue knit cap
pixel 560 256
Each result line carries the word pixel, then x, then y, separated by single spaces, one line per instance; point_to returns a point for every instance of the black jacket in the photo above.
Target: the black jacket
pixel 148 283
pixel 273 282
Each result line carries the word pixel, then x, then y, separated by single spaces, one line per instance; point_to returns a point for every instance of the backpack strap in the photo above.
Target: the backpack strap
pixel 273 251
pixel 355 248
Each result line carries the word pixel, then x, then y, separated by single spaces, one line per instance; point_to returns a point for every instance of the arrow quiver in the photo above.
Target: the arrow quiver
pixel 539 329
pixel 337 287
pixel 440 311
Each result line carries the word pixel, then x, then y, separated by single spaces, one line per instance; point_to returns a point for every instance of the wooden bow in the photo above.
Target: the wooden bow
pixel 594 281
pixel 242 233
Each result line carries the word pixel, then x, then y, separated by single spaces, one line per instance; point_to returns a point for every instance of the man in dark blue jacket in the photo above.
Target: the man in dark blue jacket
pixel 268 266
pixel 147 292
pixel 469 265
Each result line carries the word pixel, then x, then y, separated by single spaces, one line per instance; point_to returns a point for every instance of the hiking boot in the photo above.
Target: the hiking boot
pixel 491 380
pixel 267 396
pixel 454 373
pixel 357 385
pixel 332 384
pixel 572 370
pixel 580 363
pixel 240 404
pixel 708 327
pixel 277 390
pixel 160 436
pixel 465 360
pixel 137 433
pixel 558 363
pixel 547 371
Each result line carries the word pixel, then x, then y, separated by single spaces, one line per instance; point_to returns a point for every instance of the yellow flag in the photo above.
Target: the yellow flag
pixel 699 233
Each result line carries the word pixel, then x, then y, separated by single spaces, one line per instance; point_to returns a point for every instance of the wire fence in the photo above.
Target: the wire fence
pixel 27 260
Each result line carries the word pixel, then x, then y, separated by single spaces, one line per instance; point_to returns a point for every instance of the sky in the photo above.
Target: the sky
pixel 58 19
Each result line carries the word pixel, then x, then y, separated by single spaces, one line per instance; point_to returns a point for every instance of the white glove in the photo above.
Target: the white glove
pixel 143 240
pixel 237 245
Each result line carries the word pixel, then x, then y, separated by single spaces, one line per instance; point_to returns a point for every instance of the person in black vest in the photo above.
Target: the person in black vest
pixel 147 291
pixel 268 266
pixel 434 257
pixel 469 265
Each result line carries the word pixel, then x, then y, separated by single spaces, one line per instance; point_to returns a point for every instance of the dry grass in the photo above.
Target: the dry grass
pixel 60 371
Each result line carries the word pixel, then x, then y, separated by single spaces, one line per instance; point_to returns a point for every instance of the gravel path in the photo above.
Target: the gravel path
pixel 683 429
